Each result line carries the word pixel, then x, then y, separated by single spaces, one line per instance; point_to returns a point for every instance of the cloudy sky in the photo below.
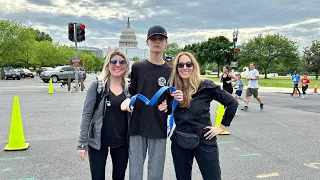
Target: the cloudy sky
pixel 186 21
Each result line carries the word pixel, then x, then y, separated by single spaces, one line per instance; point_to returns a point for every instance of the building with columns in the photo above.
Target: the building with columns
pixel 128 42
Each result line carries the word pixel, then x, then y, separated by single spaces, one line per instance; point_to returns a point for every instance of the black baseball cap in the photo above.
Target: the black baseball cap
pixel 157 30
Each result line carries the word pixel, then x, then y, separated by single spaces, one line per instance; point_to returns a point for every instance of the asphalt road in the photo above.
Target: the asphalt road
pixel 280 143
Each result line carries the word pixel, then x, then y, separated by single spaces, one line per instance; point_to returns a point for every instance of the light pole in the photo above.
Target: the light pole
pixel 235 39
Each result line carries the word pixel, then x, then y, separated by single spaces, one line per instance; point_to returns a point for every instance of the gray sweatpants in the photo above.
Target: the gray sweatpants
pixel 138 147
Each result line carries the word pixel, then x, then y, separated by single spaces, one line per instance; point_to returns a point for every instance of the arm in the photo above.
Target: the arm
pixel 88 111
pixel 233 77
pixel 256 77
pixel 133 81
pixel 226 99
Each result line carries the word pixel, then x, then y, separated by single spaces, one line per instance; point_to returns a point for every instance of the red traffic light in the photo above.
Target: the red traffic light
pixel 70 25
pixel 82 26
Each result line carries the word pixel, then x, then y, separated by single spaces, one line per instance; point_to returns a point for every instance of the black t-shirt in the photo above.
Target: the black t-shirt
pixel 147 79
pixel 115 122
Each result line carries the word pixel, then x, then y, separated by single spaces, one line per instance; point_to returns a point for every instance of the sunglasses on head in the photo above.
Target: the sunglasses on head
pixel 188 64
pixel 122 61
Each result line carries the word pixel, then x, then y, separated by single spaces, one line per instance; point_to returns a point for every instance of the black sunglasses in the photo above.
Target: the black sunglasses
pixel 188 64
pixel 120 61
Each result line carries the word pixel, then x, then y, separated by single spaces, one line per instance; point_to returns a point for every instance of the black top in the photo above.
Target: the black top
pixel 195 118
pixel 224 80
pixel 115 122
pixel 147 79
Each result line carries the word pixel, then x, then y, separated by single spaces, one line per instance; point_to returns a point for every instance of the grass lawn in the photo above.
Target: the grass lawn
pixel 282 81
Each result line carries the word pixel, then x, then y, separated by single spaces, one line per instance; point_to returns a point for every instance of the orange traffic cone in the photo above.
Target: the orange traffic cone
pixel 295 91
pixel 16 136
pixel 315 90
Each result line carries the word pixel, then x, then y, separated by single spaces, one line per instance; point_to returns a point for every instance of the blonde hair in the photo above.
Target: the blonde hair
pixel 194 79
pixel 105 74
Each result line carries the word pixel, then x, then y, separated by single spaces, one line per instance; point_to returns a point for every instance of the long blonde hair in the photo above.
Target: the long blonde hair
pixel 194 80
pixel 105 74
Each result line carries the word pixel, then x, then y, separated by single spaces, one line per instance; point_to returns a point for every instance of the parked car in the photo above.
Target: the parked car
pixel 60 73
pixel 9 73
pixel 27 73
pixel 41 69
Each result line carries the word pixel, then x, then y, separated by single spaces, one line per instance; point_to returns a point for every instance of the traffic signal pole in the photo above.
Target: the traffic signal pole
pixel 76 55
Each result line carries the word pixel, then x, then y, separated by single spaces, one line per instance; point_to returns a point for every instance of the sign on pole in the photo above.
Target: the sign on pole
pixel 234 64
pixel 76 62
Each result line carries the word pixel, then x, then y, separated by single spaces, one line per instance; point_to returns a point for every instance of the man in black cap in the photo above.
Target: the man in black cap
pixel 148 124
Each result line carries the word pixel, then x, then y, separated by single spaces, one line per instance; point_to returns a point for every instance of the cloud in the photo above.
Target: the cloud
pixel 186 21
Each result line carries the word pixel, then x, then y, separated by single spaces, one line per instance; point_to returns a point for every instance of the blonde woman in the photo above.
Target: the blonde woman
pixel 194 135
pixel 104 126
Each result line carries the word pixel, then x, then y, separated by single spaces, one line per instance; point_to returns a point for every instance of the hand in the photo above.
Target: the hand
pixel 125 105
pixel 82 154
pixel 178 95
pixel 213 131
pixel 163 106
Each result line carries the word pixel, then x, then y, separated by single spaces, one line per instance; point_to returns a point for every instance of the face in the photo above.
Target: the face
pixel 185 67
pixel 117 66
pixel 225 70
pixel 251 66
pixel 157 43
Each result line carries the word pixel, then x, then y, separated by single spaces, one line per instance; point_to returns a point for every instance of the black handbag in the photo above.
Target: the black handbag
pixel 187 140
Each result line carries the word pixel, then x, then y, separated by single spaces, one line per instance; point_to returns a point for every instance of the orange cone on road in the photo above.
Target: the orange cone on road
pixel 315 89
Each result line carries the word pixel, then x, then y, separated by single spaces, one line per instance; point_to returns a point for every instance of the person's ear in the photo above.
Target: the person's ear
pixel 147 43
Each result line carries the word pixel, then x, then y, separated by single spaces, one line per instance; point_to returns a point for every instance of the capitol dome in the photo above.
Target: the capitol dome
pixel 128 37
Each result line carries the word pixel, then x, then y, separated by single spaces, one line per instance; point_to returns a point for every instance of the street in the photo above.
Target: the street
pixel 281 142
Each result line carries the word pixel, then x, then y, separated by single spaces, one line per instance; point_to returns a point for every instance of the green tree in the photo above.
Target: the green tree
pixel 136 59
pixel 40 35
pixel 311 58
pixel 268 51
pixel 172 49
pixel 15 43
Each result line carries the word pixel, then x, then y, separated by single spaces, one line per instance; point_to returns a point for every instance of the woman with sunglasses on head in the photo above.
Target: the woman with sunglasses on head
pixel 104 126
pixel 194 135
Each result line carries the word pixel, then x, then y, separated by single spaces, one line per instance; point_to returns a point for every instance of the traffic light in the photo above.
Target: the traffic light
pixel 81 32
pixel 71 32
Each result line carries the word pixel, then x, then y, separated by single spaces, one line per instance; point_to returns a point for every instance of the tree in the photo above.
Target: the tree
pixel 267 51
pixel 311 58
pixel 136 59
pixel 16 43
pixel 40 35
pixel 214 50
pixel 172 49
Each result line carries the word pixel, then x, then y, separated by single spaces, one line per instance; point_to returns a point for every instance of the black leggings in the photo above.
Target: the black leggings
pixel 228 89
pixel 304 88
pixel 207 157
pixel 296 87
pixel 98 158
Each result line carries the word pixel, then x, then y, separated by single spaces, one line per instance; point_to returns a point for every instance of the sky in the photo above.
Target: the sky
pixel 186 21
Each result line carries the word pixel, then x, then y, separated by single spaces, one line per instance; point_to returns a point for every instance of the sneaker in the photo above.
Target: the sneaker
pixel 261 106
pixel 245 108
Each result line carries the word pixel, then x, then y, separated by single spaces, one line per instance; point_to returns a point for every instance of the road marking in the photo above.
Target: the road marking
pixel 314 165
pixel 6 170
pixel 236 149
pixel 23 179
pixel 254 154
pixel 225 142
pixel 15 158
pixel 282 124
pixel 267 175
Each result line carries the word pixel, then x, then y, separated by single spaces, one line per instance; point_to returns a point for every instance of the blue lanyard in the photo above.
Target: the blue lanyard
pixel 154 100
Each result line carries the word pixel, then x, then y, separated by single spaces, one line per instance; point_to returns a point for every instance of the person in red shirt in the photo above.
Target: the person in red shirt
pixel 305 83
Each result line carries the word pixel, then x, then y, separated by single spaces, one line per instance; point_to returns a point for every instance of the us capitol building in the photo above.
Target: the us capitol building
pixel 128 42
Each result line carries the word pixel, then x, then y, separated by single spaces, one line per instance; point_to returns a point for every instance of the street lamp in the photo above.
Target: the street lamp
pixel 235 39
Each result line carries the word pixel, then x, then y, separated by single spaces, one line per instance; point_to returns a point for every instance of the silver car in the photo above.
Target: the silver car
pixel 60 73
